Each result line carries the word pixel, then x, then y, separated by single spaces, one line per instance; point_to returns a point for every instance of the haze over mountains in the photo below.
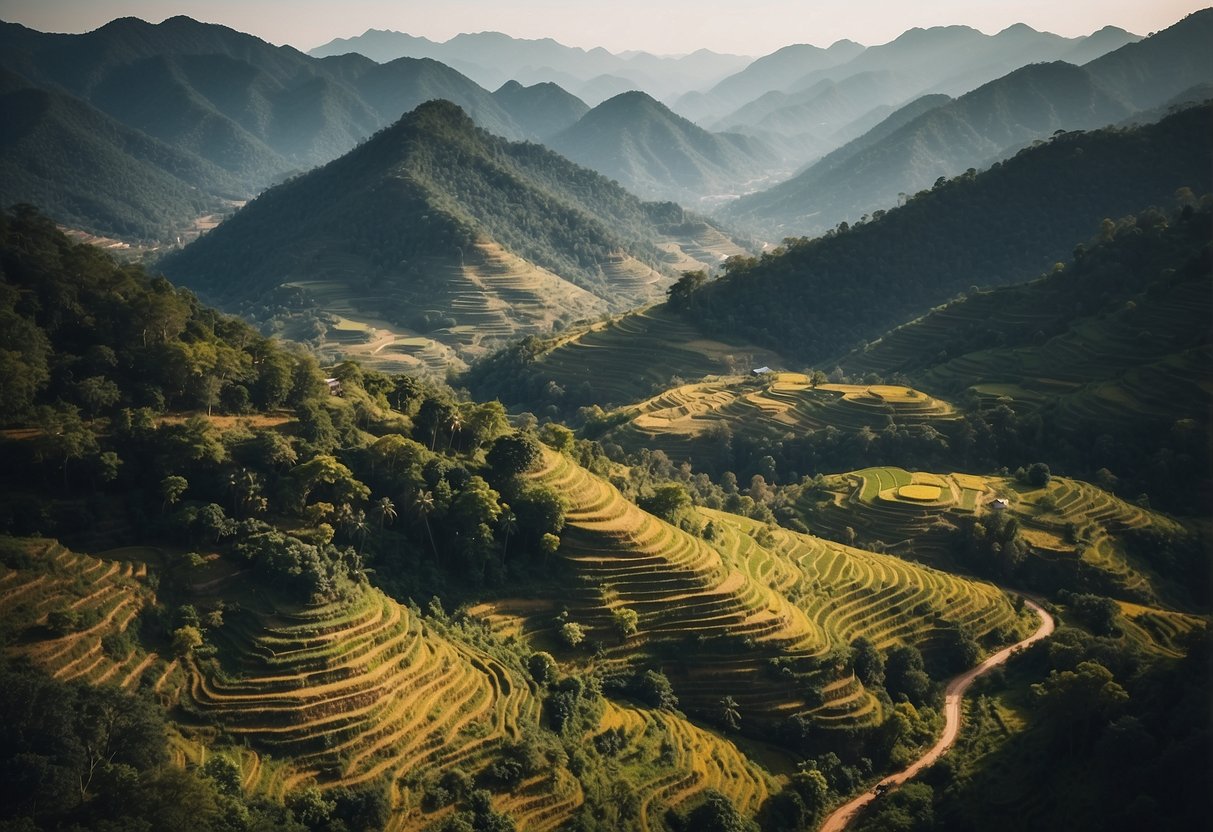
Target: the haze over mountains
pixel 492 58
pixel 912 148
pixel 240 114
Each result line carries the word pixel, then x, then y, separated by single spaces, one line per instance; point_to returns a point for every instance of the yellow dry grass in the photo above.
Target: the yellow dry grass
pixel 920 491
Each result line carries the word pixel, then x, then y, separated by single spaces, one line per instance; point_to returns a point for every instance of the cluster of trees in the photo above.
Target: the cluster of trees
pixel 86 336
pixel 1109 718
pixel 74 756
pixel 97 356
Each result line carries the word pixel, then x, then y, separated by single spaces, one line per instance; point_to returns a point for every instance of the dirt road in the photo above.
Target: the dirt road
pixel 844 814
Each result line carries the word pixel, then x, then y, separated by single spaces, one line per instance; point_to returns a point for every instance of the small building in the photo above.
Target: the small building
pixel 334 386
pixel 1000 504
pixel 762 371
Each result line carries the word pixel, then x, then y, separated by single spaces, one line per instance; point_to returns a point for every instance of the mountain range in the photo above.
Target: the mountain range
pixel 943 59
pixel 492 58
pixel 256 112
pixel 912 148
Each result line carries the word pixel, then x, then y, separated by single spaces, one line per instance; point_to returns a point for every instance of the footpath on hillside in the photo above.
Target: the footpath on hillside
pixel 843 815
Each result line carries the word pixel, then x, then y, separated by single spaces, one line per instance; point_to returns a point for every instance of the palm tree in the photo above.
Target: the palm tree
pixel 508 525
pixel 361 527
pixel 455 425
pixel 729 714
pixel 386 510
pixel 423 505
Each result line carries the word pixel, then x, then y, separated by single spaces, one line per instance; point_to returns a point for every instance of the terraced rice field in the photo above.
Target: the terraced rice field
pixel 875 503
pixel 671 761
pixel 357 691
pixel 1080 533
pixel 699 246
pixel 1158 630
pixel 847 592
pixel 626 359
pixel 682 421
pixel 104 595
pixel 733 606
pixel 492 296
pixel 1093 516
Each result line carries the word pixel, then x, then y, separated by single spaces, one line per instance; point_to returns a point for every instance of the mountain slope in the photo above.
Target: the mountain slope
pixel 656 153
pixel 968 132
pixel 823 296
pixel 137 186
pixel 1115 344
pixel 436 227
pixel 1147 73
pixel 770 72
pixel 540 110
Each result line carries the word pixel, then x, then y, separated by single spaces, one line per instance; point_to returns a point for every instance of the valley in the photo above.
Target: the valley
pixel 475 432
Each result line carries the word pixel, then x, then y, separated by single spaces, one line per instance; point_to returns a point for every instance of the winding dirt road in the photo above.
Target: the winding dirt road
pixel 844 814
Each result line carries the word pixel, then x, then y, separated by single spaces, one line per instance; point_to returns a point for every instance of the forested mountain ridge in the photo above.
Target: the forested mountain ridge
pixel 1111 351
pixel 981 127
pixel 432 216
pixel 660 155
pixel 819 298
pixel 254 111
pixel 138 187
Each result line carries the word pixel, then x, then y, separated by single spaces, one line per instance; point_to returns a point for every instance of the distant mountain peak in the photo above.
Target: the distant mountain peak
pixel 1019 28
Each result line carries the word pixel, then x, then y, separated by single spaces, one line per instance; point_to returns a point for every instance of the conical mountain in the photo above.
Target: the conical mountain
pixel 656 153
pixel 436 228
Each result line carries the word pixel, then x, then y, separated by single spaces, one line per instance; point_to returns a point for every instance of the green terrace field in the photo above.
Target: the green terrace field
pixel 348 692
pixel 1073 528
pixel 735 617
pixel 686 422
pixel 625 359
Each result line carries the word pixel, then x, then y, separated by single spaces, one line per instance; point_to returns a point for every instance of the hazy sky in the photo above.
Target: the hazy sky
pixel 752 27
